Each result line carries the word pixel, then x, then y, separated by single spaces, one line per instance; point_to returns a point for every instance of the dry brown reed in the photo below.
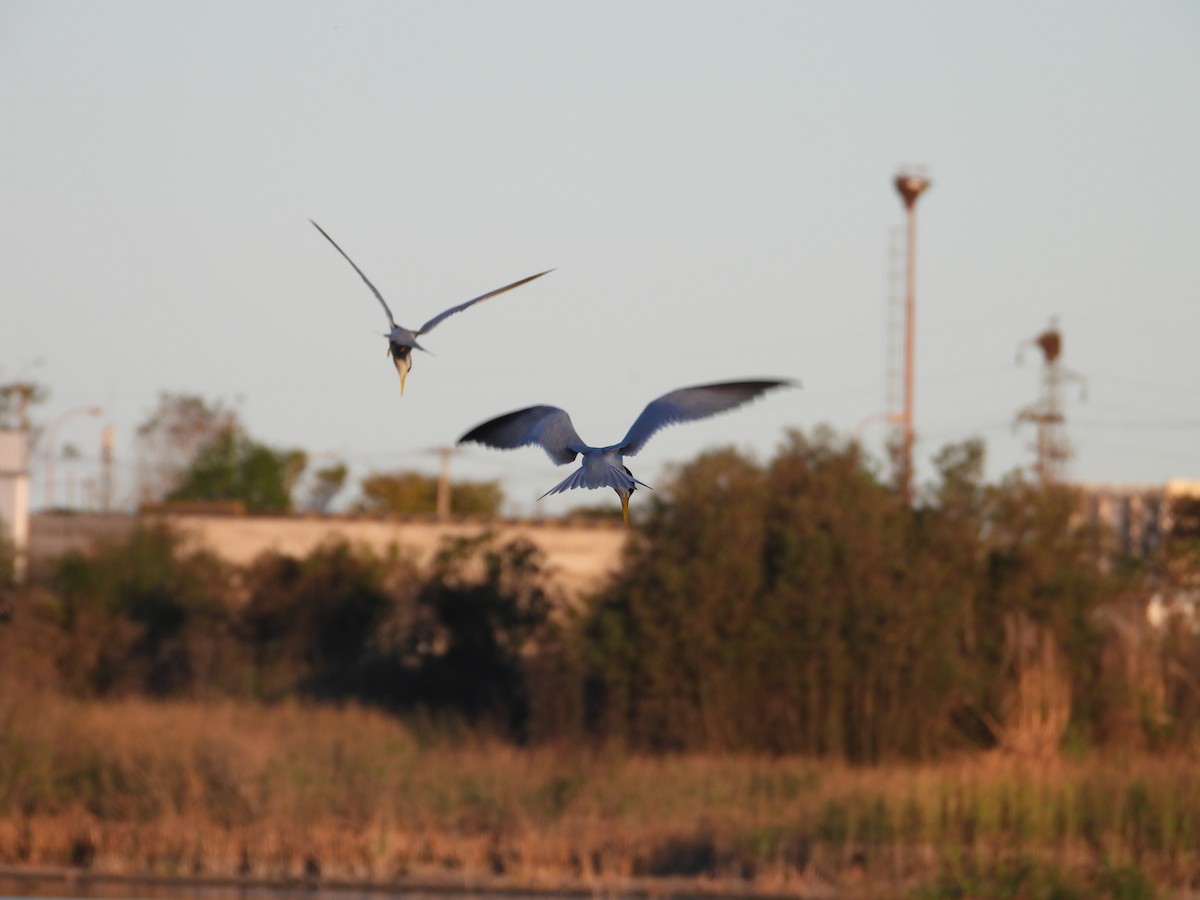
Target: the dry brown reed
pixel 293 791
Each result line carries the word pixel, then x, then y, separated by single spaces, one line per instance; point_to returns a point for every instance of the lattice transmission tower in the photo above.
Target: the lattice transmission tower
pixel 1052 447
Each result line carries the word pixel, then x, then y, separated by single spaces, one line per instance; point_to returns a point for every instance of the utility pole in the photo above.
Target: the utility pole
pixel 1052 447
pixel 443 488
pixel 106 469
pixel 910 183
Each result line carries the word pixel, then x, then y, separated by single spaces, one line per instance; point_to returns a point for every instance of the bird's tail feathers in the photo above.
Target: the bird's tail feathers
pixel 613 476
pixel 574 480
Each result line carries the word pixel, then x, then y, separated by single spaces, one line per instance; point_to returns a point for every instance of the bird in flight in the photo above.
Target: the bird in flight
pixel 402 341
pixel 551 429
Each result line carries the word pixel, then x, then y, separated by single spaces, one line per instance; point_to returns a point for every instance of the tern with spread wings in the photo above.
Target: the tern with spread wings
pixel 402 341
pixel 550 428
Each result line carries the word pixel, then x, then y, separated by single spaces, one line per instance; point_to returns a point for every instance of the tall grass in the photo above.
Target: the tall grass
pixel 294 790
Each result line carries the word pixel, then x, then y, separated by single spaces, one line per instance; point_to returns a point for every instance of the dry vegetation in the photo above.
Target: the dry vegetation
pixel 796 685
pixel 292 791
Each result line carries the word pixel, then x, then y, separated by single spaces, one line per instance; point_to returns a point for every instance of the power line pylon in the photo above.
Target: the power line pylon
pixel 1053 449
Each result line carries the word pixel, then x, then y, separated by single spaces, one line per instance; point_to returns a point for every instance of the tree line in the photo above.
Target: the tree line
pixel 192 449
pixel 796 606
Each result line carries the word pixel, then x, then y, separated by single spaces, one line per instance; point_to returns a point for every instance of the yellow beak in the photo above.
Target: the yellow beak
pixel 625 508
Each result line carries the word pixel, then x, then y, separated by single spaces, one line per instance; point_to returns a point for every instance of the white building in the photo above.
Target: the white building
pixel 14 497
pixel 1138 518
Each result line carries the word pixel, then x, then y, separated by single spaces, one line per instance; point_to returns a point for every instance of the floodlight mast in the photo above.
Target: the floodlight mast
pixel 910 183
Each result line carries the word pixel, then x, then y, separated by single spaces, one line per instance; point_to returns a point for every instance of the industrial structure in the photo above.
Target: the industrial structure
pixel 911 183
pixel 1141 521
pixel 1052 447
pixel 51 447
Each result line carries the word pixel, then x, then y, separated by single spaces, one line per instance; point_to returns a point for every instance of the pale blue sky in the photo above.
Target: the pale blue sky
pixel 711 180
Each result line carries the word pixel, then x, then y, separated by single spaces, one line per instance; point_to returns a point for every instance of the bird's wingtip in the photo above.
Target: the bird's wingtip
pixel 782 383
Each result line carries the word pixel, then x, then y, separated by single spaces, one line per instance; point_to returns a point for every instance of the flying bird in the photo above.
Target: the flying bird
pixel 402 341
pixel 601 467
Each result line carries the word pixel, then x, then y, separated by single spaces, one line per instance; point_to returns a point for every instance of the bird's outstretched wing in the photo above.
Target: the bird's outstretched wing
pixel 436 320
pixel 547 426
pixel 690 403
pixel 378 296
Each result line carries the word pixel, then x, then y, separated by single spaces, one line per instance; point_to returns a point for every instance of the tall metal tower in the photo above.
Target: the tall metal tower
pixel 910 183
pixel 894 289
pixel 1053 449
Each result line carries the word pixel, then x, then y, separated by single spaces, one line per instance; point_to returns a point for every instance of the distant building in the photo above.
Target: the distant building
pixel 14 498
pixel 1158 524
pixel 1141 519
pixel 1151 522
